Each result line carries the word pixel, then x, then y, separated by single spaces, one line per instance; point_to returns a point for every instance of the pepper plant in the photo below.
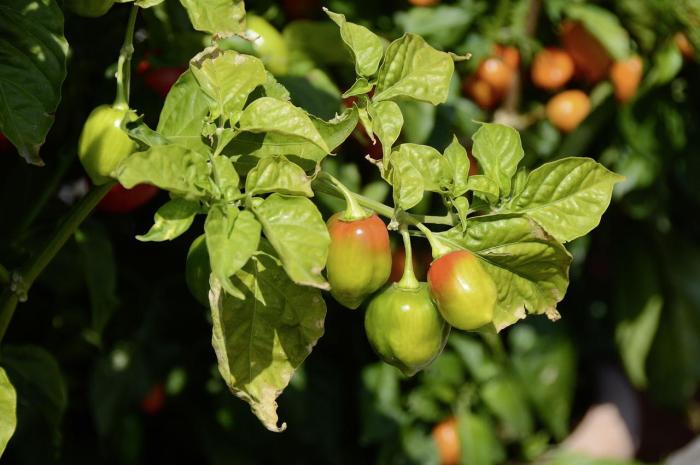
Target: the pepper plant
pixel 230 146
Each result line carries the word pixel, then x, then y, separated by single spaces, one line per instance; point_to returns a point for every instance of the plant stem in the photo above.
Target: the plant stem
pixel 4 275
pixel 438 248
pixel 124 63
pixel 353 210
pixel 408 280
pixel 26 276
pixel 323 185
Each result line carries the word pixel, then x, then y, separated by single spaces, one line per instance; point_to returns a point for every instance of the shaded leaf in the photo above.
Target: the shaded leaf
pixel 278 175
pixel 171 220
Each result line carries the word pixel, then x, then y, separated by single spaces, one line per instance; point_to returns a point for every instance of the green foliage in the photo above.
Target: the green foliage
pixel 8 409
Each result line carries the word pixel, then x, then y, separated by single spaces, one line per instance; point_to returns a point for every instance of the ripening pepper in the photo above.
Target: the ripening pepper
pixel 359 258
pixel 103 143
pixel 464 292
pixel 405 328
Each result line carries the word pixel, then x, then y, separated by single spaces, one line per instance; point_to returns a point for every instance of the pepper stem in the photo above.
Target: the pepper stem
pixel 124 62
pixel 438 248
pixel 408 280
pixel 353 210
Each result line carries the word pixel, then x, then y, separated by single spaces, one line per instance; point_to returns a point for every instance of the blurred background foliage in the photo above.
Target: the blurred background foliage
pixel 112 358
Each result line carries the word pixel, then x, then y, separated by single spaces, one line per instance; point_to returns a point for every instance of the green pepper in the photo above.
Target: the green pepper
pixel 103 143
pixel 405 328
pixel 89 8
pixel 463 291
pixel 198 269
pixel 269 44
pixel 359 258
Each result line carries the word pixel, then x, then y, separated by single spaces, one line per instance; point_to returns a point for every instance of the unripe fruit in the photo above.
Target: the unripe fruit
pixel 464 292
pixel 568 109
pixel 89 8
pixel 103 144
pixel 359 258
pixel 626 76
pixel 589 55
pixel 270 45
pixel 405 328
pixel 447 441
pixel 552 68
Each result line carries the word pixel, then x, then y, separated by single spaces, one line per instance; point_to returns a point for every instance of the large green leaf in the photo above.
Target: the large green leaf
pixel 261 339
pixel 171 167
pixel 232 238
pixel 407 183
pixel 33 53
pixel 431 164
pixel 505 397
pixel 333 132
pixel 227 78
pixel 100 268
pixel 171 220
pixel 366 47
pixel 498 150
pixel 8 410
pixel 458 160
pixel 223 17
pixel 274 116
pixel 413 69
pixel 566 197
pixel 529 267
pixel 545 362
pixel 313 43
pixel 277 174
pixel 183 113
pixel 387 121
pixel 296 230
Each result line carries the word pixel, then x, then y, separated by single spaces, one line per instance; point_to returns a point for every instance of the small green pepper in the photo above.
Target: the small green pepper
pixel 198 269
pixel 89 8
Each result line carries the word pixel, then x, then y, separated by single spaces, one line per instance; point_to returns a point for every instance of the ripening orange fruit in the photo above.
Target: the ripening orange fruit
pixel 567 109
pixel 509 54
pixel 496 73
pixel 447 441
pixel 684 45
pixel 625 76
pixel 552 68
pixel 589 55
pixel 423 2
pixel 481 92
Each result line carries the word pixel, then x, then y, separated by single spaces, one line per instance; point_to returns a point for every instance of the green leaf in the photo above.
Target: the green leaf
pixel 183 113
pixel 227 78
pixel 442 26
pixel 145 137
pixel 232 238
pixel 546 365
pixel 566 197
pixel 505 397
pixel 278 175
pixel 270 115
pixel 366 47
pixel 314 91
pixel 407 182
pixel 530 268
pixel 100 270
pixel 296 230
pixel 604 25
pixel 41 389
pixel 413 69
pixel 171 167
pixel 33 55
pixel 667 63
pixel 361 86
pixel 171 220
pixel 222 17
pixel 334 132
pixel 458 160
pixel 478 444
pixel 226 178
pixel 498 150
pixel 8 410
pixel 261 339
pixel 387 121
pixel 431 164
pixel 473 353
pixel 315 43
